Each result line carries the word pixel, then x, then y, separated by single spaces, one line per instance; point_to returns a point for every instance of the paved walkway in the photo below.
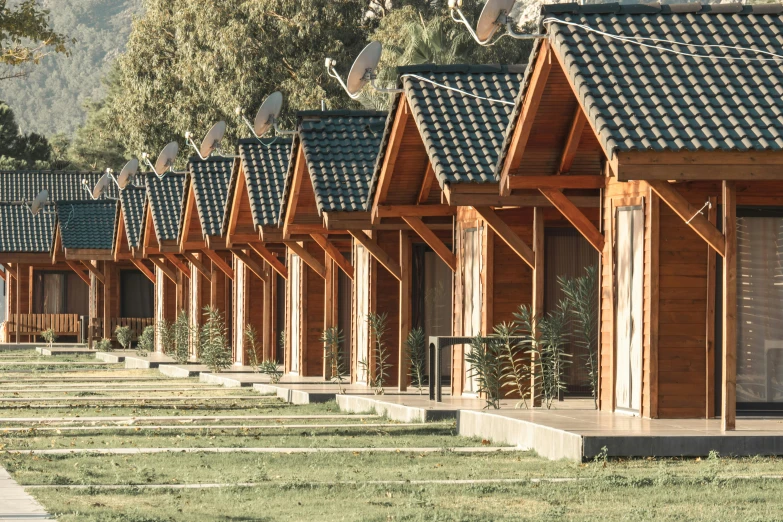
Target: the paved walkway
pixel 142 451
pixel 16 503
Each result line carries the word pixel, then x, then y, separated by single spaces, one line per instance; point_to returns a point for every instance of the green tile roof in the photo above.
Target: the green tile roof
pixel 210 179
pixel 340 148
pixel 25 185
pixel 462 134
pixel 132 201
pixel 21 232
pixel 87 224
pixel 265 165
pixel 166 199
pixel 639 98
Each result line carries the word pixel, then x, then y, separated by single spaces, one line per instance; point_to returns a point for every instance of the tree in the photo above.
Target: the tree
pixel 20 151
pixel 26 37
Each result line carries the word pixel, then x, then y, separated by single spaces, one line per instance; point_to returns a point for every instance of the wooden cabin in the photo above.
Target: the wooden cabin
pixel 250 227
pixel 687 153
pixel 201 239
pixel 332 159
pixel 161 229
pixel 39 294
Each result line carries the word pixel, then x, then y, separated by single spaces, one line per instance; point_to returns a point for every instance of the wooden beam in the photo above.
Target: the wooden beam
pixel 239 186
pixel 78 271
pixel 3 276
pixel 572 141
pixel 426 184
pixel 177 262
pixel 198 265
pixel 433 241
pixel 378 253
pixel 651 311
pixel 689 214
pixel 270 258
pixel 539 284
pixel 392 150
pixel 399 211
pixel 168 272
pixel 94 269
pixel 575 217
pixel 300 168
pixel 524 123
pixel 729 385
pixel 335 254
pixel 556 182
pixel 307 257
pixel 251 263
pixel 144 269
pixel 219 262
pixel 510 237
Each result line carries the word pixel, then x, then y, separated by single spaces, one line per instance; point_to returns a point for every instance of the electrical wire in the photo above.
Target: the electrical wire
pixel 466 93
pixel 638 40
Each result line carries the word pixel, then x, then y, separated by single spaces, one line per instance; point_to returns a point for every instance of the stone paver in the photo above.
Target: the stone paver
pixel 16 503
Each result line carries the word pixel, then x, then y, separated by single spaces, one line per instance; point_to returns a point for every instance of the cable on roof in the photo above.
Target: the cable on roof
pixel 466 93
pixel 640 39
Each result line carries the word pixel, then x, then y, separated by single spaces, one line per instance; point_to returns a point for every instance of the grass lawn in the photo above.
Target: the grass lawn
pixel 349 485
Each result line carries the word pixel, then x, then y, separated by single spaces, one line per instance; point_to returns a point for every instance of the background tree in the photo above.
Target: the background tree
pixel 20 151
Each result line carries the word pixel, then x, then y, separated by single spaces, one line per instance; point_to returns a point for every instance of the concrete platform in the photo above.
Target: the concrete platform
pixel 10 347
pixel 63 350
pixel 581 433
pixel 153 360
pixel 16 503
pixel 117 356
pixel 240 379
pixel 182 371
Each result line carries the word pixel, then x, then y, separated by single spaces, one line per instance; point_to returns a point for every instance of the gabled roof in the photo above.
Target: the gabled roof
pixel 210 179
pixel 21 232
pixel 87 224
pixel 25 185
pixel 462 134
pixel 340 149
pixel 165 198
pixel 132 201
pixel 265 165
pixel 640 98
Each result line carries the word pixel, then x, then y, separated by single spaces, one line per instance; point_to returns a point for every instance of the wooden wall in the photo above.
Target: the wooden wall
pixel 385 299
pixel 248 310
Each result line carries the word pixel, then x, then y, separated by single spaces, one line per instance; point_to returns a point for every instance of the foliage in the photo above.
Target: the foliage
pixel 20 151
pixel 49 336
pixel 377 370
pixel 581 293
pixel 146 342
pixel 215 350
pixel 104 345
pixel 124 336
pixel 515 372
pixel 485 358
pixel 417 355
pixel 251 338
pixel 547 338
pixel 270 368
pixel 26 36
pixel 181 337
pixel 333 338
pixel 164 330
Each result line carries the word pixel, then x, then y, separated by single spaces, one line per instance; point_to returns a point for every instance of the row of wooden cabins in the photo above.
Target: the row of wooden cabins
pixel 451 210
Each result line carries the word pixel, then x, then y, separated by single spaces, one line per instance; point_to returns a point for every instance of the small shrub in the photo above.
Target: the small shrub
pixel 269 367
pixel 49 336
pixel 104 345
pixel 486 365
pixel 251 338
pixel 215 351
pixel 417 355
pixel 146 342
pixel 333 338
pixel 164 330
pixel 124 336
pixel 515 372
pixel 180 335
pixel 380 370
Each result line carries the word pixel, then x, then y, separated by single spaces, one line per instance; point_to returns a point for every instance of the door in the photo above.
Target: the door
pixel 362 279
pixel 295 276
pixel 628 313
pixel 471 287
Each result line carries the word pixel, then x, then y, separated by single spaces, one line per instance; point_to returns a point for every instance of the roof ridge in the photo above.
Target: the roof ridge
pixel 658 8
pixel 462 68
pixel 340 112
pixel 277 140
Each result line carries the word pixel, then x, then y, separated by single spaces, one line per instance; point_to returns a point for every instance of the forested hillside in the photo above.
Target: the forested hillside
pixel 50 100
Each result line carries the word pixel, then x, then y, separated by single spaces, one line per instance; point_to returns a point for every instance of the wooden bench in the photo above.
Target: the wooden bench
pixel 35 324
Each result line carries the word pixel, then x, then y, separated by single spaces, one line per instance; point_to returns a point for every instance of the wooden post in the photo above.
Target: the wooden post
pixel 729 387
pixel 268 337
pixel 18 302
pixel 330 303
pixel 712 215
pixel 538 288
pixel 406 260
pixel 108 289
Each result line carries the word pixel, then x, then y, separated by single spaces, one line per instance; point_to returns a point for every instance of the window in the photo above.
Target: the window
pixel 59 293
pixel 137 294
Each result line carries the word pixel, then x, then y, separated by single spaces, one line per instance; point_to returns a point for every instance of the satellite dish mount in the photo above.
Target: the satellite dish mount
pixel 102 185
pixel 210 142
pixel 362 71
pixel 266 117
pixel 165 161
pixel 494 16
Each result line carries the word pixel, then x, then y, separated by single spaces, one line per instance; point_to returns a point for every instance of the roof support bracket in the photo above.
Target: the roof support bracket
pixel 378 253
pixel 307 257
pixel 251 263
pixel 144 269
pixel 577 218
pixel 219 262
pixel 198 265
pixel 335 254
pixel 270 258
pixel 78 271
pixel 168 272
pixel 433 241
pixel 94 269
pixel 179 264
pixel 510 237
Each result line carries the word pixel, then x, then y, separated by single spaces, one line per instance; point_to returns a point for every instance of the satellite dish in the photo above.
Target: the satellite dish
pixel 127 173
pixel 101 186
pixel 166 158
pixel 367 59
pixel 212 139
pixel 268 112
pixel 487 22
pixel 38 202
